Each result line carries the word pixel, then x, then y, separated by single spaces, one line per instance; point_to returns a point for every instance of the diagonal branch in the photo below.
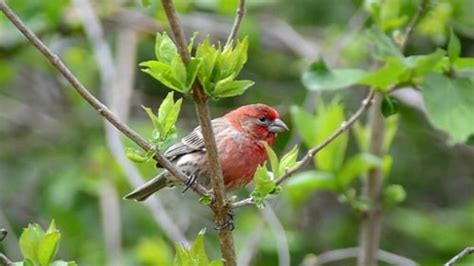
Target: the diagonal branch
pixel 462 254
pixel 92 100
pixel 116 88
pixel 411 27
pixel 312 152
pixel 238 19
pixel 4 260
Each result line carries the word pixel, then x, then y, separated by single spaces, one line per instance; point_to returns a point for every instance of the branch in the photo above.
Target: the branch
pixel 93 101
pixel 411 27
pixel 108 198
pixel 467 251
pixel 346 253
pixel 238 19
pixel 218 206
pixel 312 152
pixel 4 260
pixel 369 238
pixel 279 232
pixel 371 223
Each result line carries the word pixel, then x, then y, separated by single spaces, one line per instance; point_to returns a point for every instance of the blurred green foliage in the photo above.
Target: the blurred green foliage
pixel 54 160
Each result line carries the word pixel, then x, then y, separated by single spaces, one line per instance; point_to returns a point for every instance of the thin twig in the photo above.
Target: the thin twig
pixel 238 19
pixel 347 253
pixel 312 152
pixel 219 207
pixel 467 251
pixel 92 100
pixel 411 27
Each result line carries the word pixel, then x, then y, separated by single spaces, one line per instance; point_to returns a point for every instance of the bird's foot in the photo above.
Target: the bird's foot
pixel 189 183
pixel 229 224
pixel 3 234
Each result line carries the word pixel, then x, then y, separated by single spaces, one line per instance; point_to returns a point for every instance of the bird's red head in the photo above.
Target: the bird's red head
pixel 260 121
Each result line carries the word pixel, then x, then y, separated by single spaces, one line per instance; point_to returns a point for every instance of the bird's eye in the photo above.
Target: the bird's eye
pixel 262 119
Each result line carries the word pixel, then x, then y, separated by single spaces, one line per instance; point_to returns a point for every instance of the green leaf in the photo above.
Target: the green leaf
pixel 166 108
pixel 273 159
pixel 288 160
pixel 232 60
pixel 136 155
pixel 319 77
pixel 168 113
pixel 384 46
pixel 162 72
pixel 206 200
pixel 178 69
pixel 165 49
pixel 208 55
pixel 63 263
pixel 26 262
pixel 52 227
pixel 264 183
pixel 198 252
pixel 153 118
pixel 196 255
pixel 191 42
pixel 303 184
pixel 328 119
pixel 146 3
pixel 361 134
pixel 29 241
pixel 356 166
pixel 423 64
pixel 454 46
pixel 393 194
pixel 464 62
pixel 47 248
pixel 182 257
pixel 391 127
pixel 390 106
pixel 192 69
pixel 305 124
pixel 382 78
pixel 450 105
pixel 228 87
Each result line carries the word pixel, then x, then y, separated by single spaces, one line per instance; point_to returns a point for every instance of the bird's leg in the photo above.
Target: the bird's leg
pixel 229 223
pixel 189 183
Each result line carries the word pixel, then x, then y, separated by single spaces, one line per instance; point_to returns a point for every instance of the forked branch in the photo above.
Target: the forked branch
pixel 91 99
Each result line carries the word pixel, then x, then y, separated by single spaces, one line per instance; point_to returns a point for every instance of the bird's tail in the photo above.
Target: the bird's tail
pixel 144 191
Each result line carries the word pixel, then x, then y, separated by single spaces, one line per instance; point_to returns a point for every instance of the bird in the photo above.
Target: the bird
pixel 239 138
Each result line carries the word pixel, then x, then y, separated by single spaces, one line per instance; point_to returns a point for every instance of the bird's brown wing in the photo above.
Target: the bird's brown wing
pixel 193 142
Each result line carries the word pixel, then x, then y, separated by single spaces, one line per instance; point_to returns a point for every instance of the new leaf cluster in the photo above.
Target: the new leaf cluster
pixel 39 247
pixel 214 66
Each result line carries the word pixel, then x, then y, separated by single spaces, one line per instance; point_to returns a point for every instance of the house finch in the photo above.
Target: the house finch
pixel 239 135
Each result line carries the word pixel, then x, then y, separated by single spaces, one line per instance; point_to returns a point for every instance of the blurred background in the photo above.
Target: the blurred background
pixel 59 161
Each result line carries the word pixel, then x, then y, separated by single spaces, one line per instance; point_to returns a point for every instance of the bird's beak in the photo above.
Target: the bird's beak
pixel 277 126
